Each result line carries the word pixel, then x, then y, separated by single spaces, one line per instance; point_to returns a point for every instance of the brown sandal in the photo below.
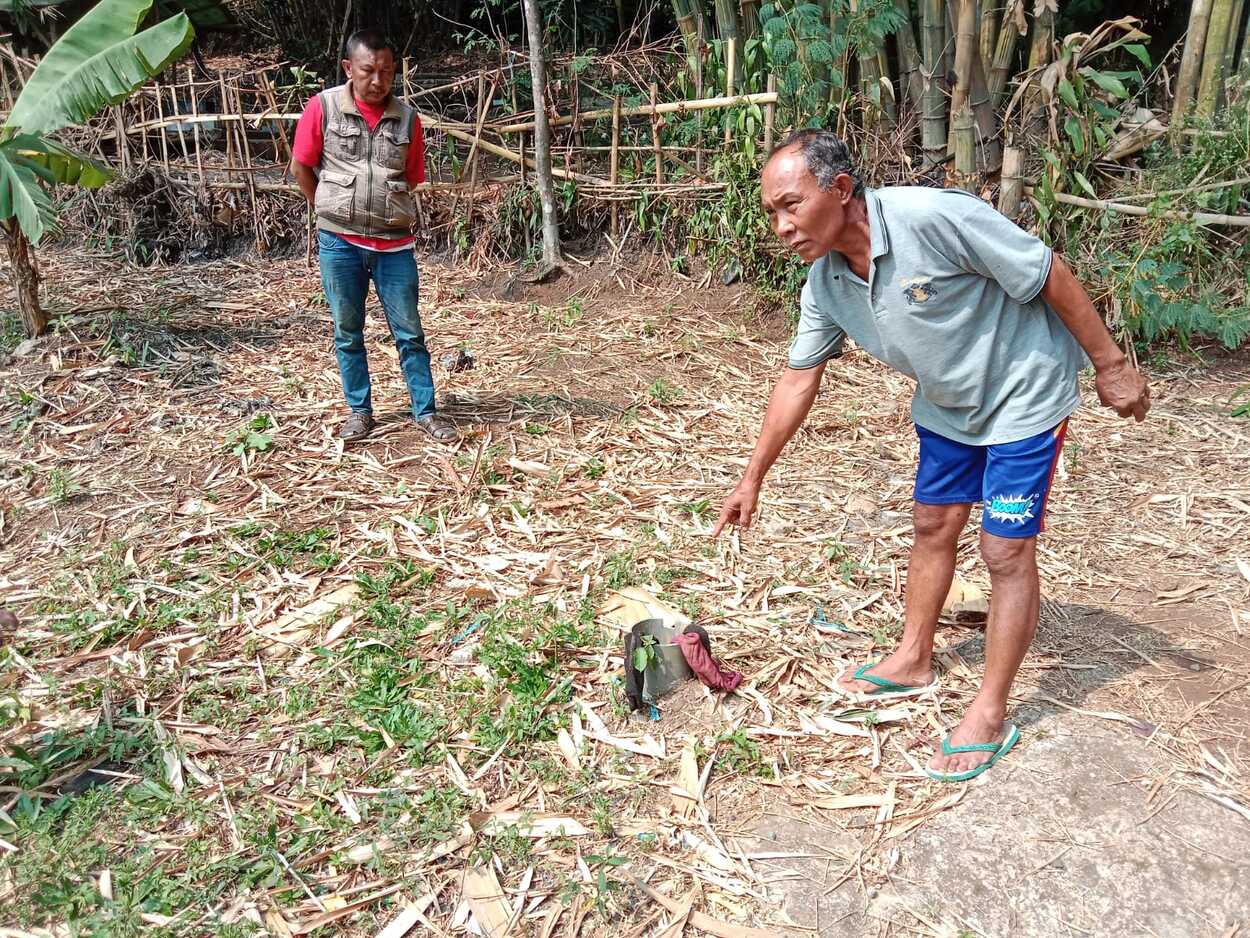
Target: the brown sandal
pixel 439 428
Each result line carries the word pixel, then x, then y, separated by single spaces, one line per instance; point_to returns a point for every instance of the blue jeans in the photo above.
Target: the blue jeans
pixel 345 273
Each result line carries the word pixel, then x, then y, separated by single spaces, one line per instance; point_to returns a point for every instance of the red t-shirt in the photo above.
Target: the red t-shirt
pixel 307 150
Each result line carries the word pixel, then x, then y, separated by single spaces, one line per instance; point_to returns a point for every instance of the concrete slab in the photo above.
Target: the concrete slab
pixel 1064 838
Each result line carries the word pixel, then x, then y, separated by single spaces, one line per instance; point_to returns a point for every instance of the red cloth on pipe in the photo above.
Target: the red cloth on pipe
pixel 704 665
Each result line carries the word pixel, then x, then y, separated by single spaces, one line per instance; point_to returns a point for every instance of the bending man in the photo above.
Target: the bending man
pixel 994 329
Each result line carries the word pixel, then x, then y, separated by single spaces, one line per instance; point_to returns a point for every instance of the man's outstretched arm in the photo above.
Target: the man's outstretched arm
pixel 787 409
pixel 1120 385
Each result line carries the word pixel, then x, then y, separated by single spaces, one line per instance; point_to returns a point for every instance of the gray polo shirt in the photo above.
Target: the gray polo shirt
pixel 953 302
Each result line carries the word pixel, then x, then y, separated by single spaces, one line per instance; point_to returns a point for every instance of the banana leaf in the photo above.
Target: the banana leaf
pixel 21 195
pixel 99 61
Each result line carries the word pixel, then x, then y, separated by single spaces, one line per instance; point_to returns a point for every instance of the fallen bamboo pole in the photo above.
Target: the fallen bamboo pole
pixel 517 158
pixel 1202 218
pixel 668 107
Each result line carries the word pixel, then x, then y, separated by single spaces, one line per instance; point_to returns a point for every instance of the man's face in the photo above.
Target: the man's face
pixel 370 74
pixel 807 219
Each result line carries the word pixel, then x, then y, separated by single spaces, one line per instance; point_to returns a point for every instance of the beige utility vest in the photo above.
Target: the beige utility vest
pixel 362 188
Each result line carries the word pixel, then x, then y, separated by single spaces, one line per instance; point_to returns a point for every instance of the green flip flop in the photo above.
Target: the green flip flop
pixel 998 749
pixel 885 689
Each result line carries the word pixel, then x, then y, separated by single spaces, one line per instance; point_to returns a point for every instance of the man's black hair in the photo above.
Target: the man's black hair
pixel 371 39
pixel 825 155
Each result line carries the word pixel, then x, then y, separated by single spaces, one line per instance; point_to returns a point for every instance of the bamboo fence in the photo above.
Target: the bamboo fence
pixel 232 130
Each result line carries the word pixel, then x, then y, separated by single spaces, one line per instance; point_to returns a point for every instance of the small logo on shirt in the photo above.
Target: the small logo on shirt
pixel 918 290
pixel 1011 509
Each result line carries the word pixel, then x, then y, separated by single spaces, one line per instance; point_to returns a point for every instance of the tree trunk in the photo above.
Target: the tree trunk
pixel 933 118
pixel 1212 81
pixel 1191 61
pixel 25 280
pixel 909 58
pixel 542 141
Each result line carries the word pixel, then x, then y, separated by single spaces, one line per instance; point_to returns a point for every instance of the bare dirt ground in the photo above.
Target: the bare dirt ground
pixel 266 684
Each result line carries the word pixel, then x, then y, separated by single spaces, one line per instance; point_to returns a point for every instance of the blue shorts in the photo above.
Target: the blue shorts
pixel 1011 479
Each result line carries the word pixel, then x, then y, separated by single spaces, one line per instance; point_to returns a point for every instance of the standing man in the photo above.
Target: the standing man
pixel 991 326
pixel 358 153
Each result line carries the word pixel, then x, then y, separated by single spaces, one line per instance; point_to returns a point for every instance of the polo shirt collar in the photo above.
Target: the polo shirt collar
pixel 879 238
pixel 347 101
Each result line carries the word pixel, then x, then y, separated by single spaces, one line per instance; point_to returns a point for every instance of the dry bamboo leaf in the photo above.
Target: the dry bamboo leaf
pixel 528 824
pixel 626 608
pixel 295 627
pixel 569 750
pixel 688 782
pixel 485 896
pixel 965 601
pixel 408 917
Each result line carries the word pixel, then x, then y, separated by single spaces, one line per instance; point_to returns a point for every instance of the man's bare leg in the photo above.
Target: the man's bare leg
pixel 1014 607
pixel 929 572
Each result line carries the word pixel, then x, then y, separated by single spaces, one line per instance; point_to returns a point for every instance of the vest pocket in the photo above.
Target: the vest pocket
pixel 401 211
pixel 342 139
pixel 336 195
pixel 391 147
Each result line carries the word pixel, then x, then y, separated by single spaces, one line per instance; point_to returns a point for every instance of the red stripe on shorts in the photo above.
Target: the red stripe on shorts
pixel 1060 432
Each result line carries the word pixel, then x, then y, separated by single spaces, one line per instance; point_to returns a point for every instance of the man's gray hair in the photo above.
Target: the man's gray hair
pixel 825 155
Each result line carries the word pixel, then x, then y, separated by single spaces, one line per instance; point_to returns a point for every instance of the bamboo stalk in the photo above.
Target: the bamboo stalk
pixel 727 29
pixel 655 138
pixel 225 106
pixel 241 129
pixel 933 117
pixel 963 135
pixel 770 115
pixel 483 106
pixel 195 127
pixel 686 23
pixel 615 160
pixel 991 21
pixel 1211 83
pixel 750 20
pixel 1012 190
pixel 177 113
pixel 160 116
pixel 123 140
pixel 518 158
pixel 1040 40
pixel 432 122
pixel 698 115
pixel 267 87
pixel 1004 55
pixel 143 113
pixel 1234 33
pixel 966 38
pixel 731 53
pixel 909 58
pixel 1191 61
pixel 1142 211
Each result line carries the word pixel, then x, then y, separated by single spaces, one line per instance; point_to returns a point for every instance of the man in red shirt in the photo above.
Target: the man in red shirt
pixel 358 152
